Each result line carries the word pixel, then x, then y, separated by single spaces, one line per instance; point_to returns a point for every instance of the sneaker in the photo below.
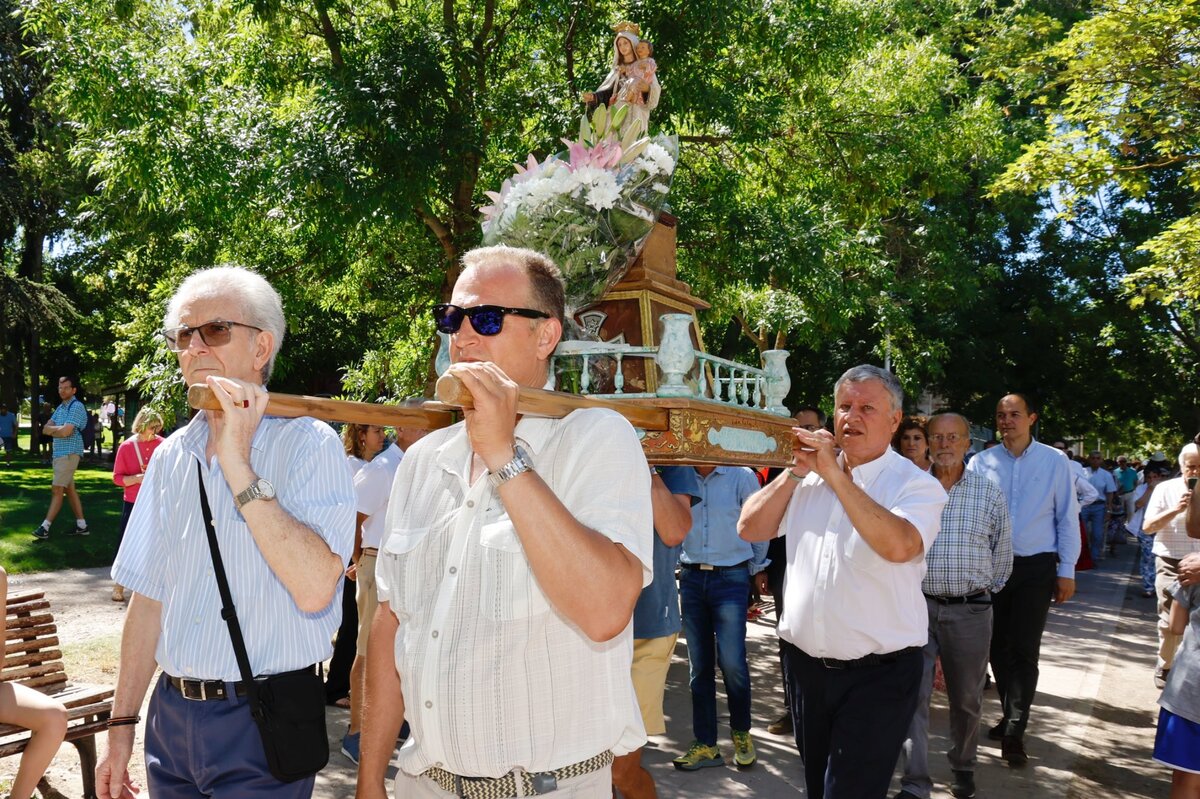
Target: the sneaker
pixel 743 749
pixel 41 533
pixel 781 727
pixel 963 786
pixel 79 530
pixel 1012 749
pixel 996 733
pixel 350 746
pixel 699 756
pixel 1160 675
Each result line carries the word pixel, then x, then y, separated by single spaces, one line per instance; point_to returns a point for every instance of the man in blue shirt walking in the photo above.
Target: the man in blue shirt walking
pixel 1040 491
pixel 673 491
pixel 714 591
pixel 66 429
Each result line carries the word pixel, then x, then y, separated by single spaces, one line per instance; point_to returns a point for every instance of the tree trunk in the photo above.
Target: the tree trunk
pixel 31 268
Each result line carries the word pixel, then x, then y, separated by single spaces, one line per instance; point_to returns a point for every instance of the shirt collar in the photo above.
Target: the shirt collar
pixel 866 472
pixel 195 435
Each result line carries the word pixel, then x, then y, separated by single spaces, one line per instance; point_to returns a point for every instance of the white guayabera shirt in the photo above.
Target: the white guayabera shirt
pixel 494 678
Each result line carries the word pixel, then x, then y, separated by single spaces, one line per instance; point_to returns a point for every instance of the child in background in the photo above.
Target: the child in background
pixel 36 712
pixel 1177 743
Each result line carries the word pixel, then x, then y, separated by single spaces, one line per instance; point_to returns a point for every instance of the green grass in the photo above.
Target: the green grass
pixel 24 499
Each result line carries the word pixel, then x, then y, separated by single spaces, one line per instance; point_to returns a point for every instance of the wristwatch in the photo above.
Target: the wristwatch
pixel 259 489
pixel 518 465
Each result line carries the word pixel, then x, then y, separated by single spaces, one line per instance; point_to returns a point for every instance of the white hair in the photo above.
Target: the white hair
pixel 865 372
pixel 251 299
pixel 1188 449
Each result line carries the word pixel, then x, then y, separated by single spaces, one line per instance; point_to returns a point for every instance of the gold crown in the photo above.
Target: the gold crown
pixel 627 27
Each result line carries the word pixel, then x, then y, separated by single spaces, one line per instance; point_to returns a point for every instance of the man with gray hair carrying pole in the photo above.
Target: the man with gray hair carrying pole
pixel 970 560
pixel 858 525
pixel 268 504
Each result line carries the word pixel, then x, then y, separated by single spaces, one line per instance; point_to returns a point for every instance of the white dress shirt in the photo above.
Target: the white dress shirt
pixel 843 599
pixel 493 676
pixel 373 486
pixel 1171 540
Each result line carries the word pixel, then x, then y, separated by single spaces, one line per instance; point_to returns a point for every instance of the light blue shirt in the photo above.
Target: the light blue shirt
pixel 70 412
pixel 713 538
pixel 1102 480
pixel 8 424
pixel 165 555
pixel 1040 491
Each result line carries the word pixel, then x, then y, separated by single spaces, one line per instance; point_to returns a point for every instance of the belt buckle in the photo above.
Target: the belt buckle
pixel 544 782
pixel 192 690
pixel 832 663
pixel 707 567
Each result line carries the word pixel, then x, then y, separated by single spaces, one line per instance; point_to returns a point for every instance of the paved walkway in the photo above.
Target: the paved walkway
pixel 1091 732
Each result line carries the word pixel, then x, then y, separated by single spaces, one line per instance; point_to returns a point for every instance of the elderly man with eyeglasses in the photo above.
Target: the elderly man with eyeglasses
pixel 969 561
pixel 282 507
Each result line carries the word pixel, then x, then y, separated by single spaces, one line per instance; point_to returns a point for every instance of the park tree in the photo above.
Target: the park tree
pixel 1116 170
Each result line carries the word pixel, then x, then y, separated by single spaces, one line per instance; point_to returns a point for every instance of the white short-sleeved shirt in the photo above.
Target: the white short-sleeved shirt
pixel 373 486
pixel 494 677
pixel 843 599
pixel 1171 540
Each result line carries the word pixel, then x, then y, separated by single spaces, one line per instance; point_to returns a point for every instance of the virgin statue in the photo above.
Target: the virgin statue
pixel 632 81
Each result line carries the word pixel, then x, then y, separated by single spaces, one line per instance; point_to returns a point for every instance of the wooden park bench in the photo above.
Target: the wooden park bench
pixel 32 658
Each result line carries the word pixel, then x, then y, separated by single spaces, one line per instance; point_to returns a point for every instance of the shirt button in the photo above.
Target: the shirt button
pixel 435 633
pixel 428 704
pixel 454 570
pixel 470 503
pixel 196 620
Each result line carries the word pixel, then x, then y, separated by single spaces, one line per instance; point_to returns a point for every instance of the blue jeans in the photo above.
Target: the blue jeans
pixel 1093 521
pixel 714 605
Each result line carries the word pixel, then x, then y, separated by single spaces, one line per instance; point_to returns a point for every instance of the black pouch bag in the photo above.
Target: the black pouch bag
pixel 288 708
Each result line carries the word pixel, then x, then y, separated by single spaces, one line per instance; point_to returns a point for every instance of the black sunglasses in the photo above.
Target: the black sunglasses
pixel 214 334
pixel 486 319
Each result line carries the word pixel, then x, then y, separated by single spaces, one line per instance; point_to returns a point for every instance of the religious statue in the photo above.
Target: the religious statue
pixel 632 82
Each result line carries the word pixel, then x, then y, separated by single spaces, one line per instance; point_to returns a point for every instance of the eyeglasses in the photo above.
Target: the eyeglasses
pixel 214 334
pixel 486 319
pixel 949 438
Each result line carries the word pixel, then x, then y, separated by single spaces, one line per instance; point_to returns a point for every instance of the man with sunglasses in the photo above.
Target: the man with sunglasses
pixel 282 505
pixel 516 549
pixel 970 560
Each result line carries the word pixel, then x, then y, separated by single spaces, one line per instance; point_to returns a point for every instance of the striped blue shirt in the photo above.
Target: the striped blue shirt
pixel 165 555
pixel 1040 491
pixel 70 412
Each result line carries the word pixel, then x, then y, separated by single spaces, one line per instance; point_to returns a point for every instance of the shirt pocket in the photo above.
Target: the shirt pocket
pixel 404 540
pixel 510 591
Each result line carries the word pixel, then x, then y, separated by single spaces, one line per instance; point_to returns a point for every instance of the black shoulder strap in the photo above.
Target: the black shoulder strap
pixel 228 611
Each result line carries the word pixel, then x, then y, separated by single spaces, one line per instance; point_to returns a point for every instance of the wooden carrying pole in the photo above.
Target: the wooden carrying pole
pixel 293 405
pixel 539 402
pixel 451 392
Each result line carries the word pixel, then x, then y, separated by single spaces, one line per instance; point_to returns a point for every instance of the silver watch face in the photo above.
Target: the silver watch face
pixel 265 489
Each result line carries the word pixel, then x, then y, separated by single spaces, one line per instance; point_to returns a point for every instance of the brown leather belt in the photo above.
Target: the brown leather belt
pixel 506 786
pixel 372 551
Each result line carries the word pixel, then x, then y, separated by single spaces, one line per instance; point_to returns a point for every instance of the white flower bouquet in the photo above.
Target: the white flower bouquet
pixel 589 209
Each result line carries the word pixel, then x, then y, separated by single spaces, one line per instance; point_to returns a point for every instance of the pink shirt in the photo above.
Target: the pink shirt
pixel 127 463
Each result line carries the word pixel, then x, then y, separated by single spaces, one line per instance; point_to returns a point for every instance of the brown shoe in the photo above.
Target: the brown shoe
pixel 782 726
pixel 118 594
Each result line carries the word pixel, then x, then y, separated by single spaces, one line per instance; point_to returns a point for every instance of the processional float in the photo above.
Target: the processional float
pixel 598 211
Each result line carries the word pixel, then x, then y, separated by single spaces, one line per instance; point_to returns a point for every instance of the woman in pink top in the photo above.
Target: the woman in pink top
pixel 133 456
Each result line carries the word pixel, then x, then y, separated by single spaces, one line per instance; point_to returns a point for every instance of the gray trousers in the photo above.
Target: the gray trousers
pixel 1166 572
pixel 961 635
